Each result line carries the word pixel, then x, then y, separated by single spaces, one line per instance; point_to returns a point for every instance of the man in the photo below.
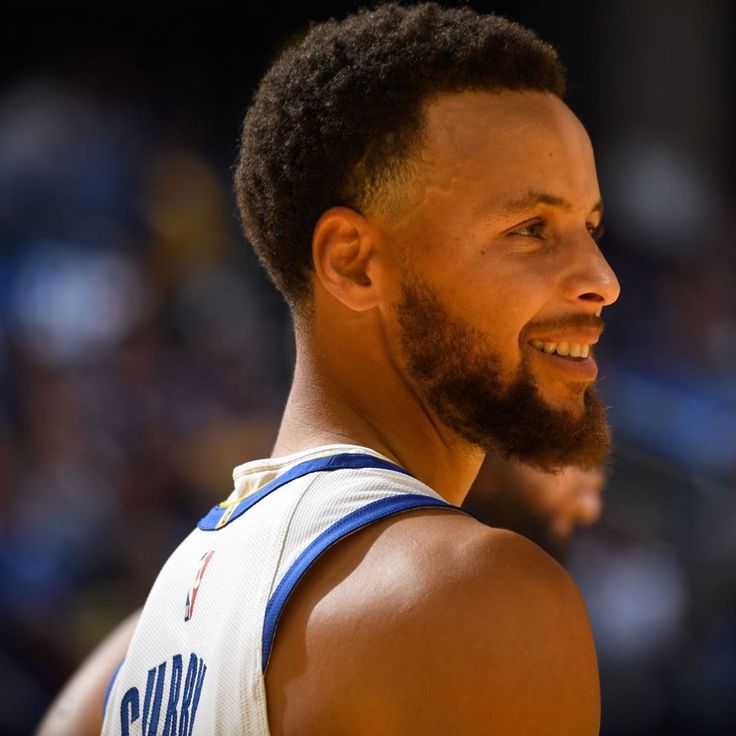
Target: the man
pixel 428 206
pixel 544 507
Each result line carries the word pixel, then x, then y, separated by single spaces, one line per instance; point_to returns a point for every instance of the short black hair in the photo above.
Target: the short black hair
pixel 337 114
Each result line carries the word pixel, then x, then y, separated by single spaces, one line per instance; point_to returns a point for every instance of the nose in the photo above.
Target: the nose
pixel 590 277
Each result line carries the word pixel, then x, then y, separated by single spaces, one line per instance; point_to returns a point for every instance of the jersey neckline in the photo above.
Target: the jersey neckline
pixel 253 475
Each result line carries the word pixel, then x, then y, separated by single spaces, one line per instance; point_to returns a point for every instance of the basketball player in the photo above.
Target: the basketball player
pixel 428 205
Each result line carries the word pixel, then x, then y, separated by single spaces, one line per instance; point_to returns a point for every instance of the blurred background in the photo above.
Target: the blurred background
pixel 143 354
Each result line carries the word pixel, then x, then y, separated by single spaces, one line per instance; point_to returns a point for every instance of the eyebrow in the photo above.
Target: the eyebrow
pixel 531 199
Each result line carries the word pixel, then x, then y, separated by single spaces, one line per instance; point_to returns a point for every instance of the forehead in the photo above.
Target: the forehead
pixel 501 143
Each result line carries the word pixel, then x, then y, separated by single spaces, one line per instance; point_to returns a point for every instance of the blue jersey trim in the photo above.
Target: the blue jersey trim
pixel 340 461
pixel 109 687
pixel 352 522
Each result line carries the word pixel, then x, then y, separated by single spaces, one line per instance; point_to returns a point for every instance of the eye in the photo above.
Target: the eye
pixel 531 230
pixel 596 231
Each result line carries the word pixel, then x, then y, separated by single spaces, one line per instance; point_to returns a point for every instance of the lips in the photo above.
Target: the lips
pixel 569 347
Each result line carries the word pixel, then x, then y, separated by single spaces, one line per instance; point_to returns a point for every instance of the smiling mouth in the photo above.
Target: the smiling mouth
pixel 572 351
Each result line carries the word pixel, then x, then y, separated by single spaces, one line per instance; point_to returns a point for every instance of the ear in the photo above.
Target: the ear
pixel 343 249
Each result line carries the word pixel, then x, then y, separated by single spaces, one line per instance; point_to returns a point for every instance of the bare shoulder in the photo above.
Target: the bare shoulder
pixel 430 622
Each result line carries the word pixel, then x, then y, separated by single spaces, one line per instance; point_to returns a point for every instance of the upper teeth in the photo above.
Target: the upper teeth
pixel 573 349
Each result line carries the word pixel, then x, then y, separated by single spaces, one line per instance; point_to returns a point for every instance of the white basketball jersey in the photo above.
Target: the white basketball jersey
pixel 198 656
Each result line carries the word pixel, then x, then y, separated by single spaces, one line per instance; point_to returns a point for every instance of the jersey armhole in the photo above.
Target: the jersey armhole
pixel 108 691
pixel 358 519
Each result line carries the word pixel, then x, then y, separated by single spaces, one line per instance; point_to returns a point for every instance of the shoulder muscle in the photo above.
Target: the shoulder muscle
pixel 433 623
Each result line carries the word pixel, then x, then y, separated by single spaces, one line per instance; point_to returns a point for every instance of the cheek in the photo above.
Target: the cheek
pixel 508 306
pixel 499 296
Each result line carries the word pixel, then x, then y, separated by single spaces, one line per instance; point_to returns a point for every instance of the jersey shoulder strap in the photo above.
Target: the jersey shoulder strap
pixel 393 490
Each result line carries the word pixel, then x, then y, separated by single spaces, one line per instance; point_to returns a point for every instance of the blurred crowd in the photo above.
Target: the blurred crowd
pixel 143 355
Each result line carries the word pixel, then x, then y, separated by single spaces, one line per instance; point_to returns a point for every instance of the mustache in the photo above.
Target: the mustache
pixel 579 321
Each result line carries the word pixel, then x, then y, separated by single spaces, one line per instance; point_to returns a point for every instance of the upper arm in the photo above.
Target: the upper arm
pixel 77 710
pixel 501 645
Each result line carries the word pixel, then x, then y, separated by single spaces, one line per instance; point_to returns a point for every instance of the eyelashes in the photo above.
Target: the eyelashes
pixel 532 230
pixel 537 229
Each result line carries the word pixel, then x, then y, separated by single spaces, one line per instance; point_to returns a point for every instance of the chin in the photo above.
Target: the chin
pixel 572 402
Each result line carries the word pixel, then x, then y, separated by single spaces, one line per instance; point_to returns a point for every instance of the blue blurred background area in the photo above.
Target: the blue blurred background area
pixel 143 354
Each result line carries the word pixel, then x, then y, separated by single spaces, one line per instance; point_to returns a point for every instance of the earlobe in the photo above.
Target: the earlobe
pixel 343 247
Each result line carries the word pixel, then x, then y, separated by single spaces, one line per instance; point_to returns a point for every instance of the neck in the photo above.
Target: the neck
pixel 351 396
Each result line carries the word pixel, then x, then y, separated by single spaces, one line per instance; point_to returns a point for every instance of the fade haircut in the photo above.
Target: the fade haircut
pixel 337 117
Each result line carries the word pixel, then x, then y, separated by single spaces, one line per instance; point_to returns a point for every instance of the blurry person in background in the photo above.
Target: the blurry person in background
pixel 544 507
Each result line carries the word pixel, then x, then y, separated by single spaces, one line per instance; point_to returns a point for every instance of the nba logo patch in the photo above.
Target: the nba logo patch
pixel 192 594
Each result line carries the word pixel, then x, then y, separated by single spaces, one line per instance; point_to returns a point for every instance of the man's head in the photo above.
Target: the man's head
pixel 337 117
pixel 431 188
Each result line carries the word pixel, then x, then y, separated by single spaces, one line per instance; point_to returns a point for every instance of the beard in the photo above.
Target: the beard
pixel 461 381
